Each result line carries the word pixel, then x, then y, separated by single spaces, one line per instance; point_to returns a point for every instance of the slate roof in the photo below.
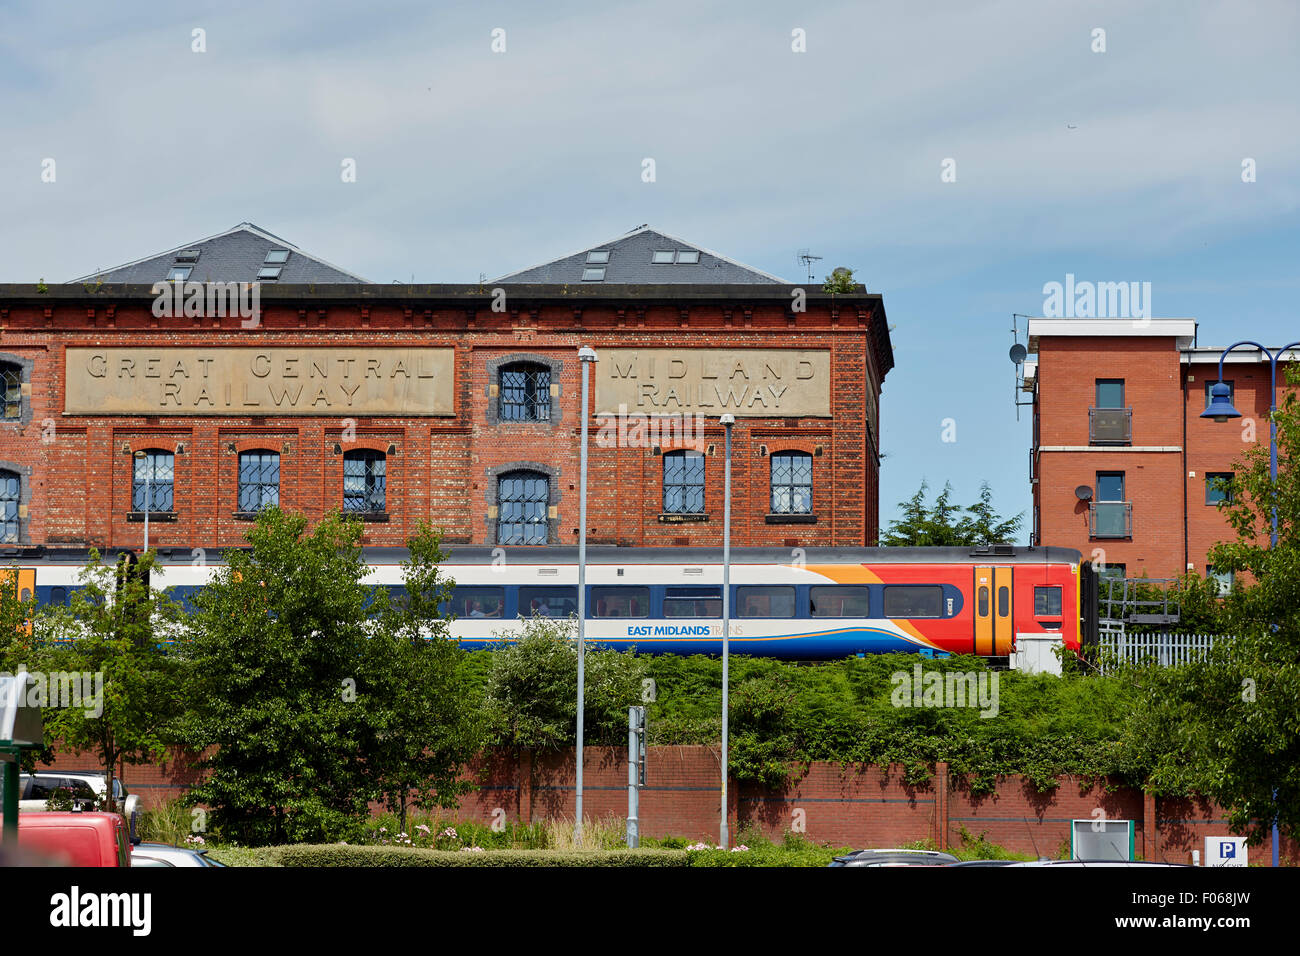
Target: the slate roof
pixel 236 255
pixel 631 261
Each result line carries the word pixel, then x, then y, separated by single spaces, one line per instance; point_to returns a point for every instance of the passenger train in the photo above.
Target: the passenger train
pixel 809 604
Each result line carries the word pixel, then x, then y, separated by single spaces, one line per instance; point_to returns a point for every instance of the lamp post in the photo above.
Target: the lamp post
pixel 586 356
pixel 148 503
pixel 1221 410
pixel 727 421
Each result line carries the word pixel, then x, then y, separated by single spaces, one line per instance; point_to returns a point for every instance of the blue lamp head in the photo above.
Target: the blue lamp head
pixel 1220 407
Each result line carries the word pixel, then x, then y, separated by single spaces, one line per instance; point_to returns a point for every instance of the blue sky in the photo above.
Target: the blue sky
pixel 470 161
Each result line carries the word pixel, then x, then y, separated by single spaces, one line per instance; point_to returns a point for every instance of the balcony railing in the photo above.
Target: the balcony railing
pixel 1110 519
pixel 1110 426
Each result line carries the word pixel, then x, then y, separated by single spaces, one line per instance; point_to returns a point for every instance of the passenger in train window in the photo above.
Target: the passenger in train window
pixel 477 610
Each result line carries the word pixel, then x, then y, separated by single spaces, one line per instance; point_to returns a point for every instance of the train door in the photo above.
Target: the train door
pixel 994 632
pixel 1003 628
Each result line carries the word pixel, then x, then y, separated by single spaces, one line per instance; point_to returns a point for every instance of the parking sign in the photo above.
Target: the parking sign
pixel 1225 851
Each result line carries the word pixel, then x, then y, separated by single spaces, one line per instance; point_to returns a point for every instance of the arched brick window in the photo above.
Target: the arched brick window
pixel 11 392
pixel 153 483
pixel 524 392
pixel 523 498
pixel 365 482
pixel 792 483
pixel 683 483
pixel 10 499
pixel 259 480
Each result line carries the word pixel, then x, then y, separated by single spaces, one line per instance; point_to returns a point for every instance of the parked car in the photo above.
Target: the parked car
pixel 894 858
pixel 1096 863
pixel 983 863
pixel 161 854
pixel 38 787
pixel 74 838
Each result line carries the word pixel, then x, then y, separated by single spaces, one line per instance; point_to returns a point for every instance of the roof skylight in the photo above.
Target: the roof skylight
pixel 277 257
pixel 593 275
pixel 662 256
pixel 269 272
pixel 600 258
pixel 688 257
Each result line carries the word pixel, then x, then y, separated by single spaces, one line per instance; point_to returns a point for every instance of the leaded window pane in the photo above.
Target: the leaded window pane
pixel 10 492
pixel 522 500
pixel 364 482
pixel 11 391
pixel 683 483
pixel 792 483
pixel 259 480
pixel 154 476
pixel 525 394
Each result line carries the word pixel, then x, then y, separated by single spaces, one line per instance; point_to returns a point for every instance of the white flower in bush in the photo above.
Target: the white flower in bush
pixel 471 849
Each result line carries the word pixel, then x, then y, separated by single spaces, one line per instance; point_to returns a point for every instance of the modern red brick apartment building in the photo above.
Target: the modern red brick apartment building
pixel 458 403
pixel 1122 467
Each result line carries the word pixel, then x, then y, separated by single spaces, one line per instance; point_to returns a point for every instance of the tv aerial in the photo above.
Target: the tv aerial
pixel 805 256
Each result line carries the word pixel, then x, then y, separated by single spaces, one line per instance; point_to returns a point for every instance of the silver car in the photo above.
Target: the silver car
pixel 160 854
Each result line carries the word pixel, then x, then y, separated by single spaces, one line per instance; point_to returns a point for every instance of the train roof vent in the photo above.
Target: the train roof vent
pixel 1006 550
pixel 547 572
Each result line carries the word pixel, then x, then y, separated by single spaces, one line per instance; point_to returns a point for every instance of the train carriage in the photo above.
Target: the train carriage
pixel 809 604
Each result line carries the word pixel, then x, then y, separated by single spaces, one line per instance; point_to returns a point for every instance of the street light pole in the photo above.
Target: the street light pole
pixel 1221 410
pixel 586 356
pixel 727 421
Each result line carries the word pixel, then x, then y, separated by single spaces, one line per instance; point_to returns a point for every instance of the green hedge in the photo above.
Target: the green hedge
pixel 342 855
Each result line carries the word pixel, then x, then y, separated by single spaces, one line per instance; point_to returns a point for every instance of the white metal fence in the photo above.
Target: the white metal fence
pixel 1167 650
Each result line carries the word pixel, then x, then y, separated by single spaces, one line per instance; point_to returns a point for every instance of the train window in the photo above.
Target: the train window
pixel 841 601
pixel 984 602
pixel 693 602
pixel 913 600
pixel 477 602
pixel 59 596
pixel 762 601
pixel 620 602
pixel 1047 602
pixel 1004 602
pixel 548 602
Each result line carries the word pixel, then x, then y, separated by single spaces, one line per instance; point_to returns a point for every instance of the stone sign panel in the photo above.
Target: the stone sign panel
pixel 259 381
pixel 766 383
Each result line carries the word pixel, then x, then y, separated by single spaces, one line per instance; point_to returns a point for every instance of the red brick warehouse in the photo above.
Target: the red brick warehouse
pixel 459 403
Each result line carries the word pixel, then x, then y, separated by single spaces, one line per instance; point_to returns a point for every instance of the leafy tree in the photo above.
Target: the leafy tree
pixel 944 525
pixel 533 689
pixel 423 717
pixel 127 692
pixel 280 661
pixel 841 280
pixel 1226 727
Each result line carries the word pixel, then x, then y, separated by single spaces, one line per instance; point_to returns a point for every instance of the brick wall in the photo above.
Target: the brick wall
pixel 81 471
pixel 852 805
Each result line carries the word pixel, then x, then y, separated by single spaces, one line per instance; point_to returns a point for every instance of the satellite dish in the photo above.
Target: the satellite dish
pixel 1018 353
pixel 1083 493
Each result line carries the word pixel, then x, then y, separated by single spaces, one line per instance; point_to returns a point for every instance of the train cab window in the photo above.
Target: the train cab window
pixel 693 602
pixel 475 602
pixel 838 601
pixel 620 602
pixel 1047 602
pixel 912 600
pixel 548 601
pixel 762 601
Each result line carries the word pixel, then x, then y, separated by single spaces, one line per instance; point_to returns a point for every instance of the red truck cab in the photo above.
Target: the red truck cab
pixel 75 839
